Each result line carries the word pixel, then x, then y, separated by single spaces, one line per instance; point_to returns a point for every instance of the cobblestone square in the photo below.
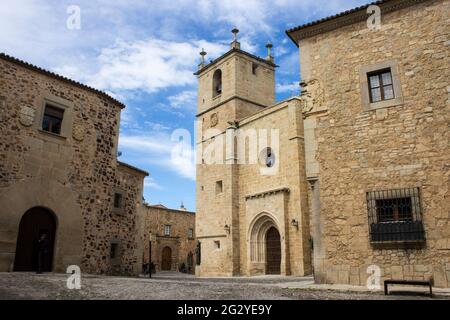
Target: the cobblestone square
pixel 173 286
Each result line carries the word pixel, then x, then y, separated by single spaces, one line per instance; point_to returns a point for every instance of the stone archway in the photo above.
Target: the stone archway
pixel 265 240
pixel 35 223
pixel 42 193
pixel 166 259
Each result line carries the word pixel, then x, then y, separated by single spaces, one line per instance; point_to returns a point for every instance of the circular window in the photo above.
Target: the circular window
pixel 267 157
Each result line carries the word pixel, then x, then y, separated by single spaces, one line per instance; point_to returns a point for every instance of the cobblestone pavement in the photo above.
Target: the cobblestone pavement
pixel 172 287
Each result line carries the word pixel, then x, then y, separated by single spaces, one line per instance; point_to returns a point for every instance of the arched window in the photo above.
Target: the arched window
pixel 217 83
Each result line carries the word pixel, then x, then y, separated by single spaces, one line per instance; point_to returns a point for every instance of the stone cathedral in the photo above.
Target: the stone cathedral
pixel 353 174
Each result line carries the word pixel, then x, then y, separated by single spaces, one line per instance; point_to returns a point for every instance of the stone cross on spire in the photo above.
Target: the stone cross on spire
pixel 202 59
pixel 235 44
pixel 269 47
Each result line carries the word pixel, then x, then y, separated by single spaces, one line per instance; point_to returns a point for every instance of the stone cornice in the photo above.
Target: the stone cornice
pixel 267 193
pixel 228 100
pixel 346 18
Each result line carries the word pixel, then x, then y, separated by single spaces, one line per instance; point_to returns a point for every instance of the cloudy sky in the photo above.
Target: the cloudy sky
pixel 144 54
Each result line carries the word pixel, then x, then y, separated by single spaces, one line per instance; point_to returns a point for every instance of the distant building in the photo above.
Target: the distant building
pixel 362 161
pixel 171 234
pixel 59 176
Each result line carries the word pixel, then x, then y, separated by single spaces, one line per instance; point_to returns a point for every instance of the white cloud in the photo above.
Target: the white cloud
pixel 293 88
pixel 159 149
pixel 149 65
pixel 149 182
pixel 184 99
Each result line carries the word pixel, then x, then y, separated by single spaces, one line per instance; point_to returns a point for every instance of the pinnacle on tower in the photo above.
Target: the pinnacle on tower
pixel 269 47
pixel 202 59
pixel 235 44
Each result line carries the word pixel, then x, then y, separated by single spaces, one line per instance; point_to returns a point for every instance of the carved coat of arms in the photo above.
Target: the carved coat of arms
pixel 312 95
pixel 78 132
pixel 26 115
pixel 214 120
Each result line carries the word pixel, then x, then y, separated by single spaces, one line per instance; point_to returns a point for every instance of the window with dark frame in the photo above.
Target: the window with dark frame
pixel 395 216
pixel 381 87
pixel 219 187
pixel 118 199
pixel 52 120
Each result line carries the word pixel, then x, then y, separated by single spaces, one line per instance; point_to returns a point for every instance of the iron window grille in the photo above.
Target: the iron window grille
pixel 395 216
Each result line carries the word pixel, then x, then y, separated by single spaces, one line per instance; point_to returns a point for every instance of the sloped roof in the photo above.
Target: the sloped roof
pixel 360 13
pixel 40 70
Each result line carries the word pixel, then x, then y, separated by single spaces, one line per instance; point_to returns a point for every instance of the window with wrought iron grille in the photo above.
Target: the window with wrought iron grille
pixel 395 216
pixel 167 230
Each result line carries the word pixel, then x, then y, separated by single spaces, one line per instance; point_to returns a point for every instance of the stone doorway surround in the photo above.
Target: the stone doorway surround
pixel 257 244
pixel 34 223
pixel 46 193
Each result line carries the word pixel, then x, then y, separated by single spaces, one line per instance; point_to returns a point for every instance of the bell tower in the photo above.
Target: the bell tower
pixel 232 87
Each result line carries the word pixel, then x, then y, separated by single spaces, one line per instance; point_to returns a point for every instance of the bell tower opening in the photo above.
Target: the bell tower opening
pixel 217 83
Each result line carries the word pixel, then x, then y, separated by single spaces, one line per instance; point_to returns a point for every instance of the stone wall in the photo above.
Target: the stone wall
pixel 181 245
pixel 73 174
pixel 402 146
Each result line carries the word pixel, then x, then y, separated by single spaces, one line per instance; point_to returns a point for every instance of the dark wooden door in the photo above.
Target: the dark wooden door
pixel 34 223
pixel 166 261
pixel 273 251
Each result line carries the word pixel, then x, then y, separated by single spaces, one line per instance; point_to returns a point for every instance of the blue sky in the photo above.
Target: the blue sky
pixel 145 52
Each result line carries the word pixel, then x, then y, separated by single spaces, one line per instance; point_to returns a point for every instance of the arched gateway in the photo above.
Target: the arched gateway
pixel 265 246
pixel 35 223
pixel 166 259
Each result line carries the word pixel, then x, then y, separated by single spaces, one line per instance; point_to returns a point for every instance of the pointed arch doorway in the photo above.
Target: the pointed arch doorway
pixel 273 251
pixel 34 223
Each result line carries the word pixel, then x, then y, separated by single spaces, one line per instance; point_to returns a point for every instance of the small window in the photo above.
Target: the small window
pixel 167 230
pixel 191 233
pixel 254 68
pixel 118 199
pixel 217 83
pixel 52 120
pixel 381 86
pixel 114 250
pixel 219 187
pixel 267 157
pixel 217 244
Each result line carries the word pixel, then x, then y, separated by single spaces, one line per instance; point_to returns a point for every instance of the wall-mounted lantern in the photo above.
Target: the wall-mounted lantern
pixel 294 223
pixel 227 228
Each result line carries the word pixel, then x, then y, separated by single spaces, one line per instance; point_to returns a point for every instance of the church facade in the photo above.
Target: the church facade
pixel 350 179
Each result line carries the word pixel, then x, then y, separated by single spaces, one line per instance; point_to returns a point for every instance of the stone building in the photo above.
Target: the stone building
pixel 362 157
pixel 59 176
pixel 170 238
